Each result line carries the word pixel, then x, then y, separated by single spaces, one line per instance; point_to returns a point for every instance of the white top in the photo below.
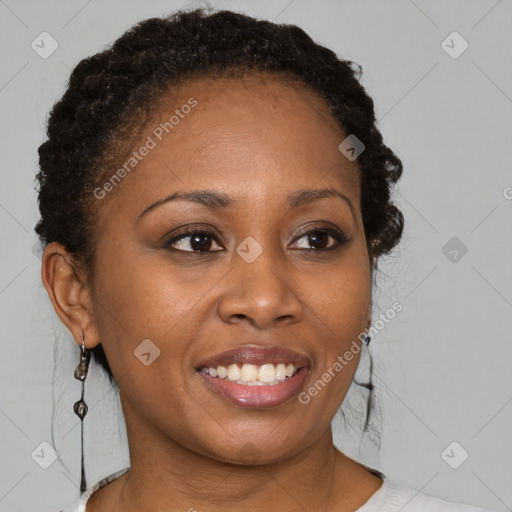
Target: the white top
pixel 390 497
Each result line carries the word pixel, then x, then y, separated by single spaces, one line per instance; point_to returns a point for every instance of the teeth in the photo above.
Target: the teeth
pixel 267 373
pixel 252 375
pixel 233 372
pixel 281 371
pixel 250 383
pixel 249 372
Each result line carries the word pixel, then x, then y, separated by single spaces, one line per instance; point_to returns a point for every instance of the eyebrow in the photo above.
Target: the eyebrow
pixel 213 199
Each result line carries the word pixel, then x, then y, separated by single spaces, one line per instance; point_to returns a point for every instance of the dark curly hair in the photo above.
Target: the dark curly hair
pixel 111 94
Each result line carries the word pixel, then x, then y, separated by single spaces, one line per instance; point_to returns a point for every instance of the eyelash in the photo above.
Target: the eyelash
pixel 337 235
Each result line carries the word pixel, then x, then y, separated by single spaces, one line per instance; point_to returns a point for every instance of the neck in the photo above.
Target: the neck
pixel 166 476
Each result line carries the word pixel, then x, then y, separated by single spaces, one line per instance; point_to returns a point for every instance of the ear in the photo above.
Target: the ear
pixel 70 295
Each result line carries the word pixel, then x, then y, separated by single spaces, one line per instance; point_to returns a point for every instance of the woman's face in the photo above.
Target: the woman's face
pixel 254 279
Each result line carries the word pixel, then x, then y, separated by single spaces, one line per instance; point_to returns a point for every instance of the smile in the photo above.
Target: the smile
pixel 255 376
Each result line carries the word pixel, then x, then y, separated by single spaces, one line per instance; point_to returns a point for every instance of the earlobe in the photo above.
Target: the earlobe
pixel 69 294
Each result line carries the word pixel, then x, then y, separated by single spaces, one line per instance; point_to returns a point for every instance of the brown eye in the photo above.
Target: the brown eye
pixel 319 239
pixel 199 240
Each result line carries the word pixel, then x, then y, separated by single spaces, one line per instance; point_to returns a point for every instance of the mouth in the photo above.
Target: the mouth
pixel 255 376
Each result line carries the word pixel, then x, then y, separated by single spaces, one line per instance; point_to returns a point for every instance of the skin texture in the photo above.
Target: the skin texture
pixel 256 139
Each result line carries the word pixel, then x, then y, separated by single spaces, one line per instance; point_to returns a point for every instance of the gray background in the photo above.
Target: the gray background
pixel 443 364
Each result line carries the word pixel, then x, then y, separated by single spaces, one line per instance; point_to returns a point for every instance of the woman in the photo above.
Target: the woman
pixel 214 198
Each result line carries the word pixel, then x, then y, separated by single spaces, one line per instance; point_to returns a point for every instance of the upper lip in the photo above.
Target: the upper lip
pixel 258 355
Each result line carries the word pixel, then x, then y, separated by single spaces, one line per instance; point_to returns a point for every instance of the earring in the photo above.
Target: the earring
pixel 80 407
pixel 367 340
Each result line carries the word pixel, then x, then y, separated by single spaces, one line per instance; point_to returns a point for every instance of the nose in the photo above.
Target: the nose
pixel 260 293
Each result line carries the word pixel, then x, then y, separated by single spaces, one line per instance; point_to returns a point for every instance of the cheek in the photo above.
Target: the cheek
pixel 141 296
pixel 342 296
pixel 143 315
pixel 133 303
pixel 340 305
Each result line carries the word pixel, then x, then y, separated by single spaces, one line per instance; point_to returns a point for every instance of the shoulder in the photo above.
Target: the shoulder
pixel 80 504
pixel 76 506
pixel 393 497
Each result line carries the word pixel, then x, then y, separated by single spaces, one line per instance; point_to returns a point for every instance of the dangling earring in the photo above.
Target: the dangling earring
pixel 80 407
pixel 369 386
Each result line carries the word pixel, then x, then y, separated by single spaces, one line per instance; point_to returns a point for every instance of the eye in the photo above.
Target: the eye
pixel 199 239
pixel 318 237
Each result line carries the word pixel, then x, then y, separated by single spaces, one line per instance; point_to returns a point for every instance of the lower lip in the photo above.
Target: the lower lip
pixel 257 396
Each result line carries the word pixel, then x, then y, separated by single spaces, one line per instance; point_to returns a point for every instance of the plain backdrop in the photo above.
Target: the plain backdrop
pixel 443 364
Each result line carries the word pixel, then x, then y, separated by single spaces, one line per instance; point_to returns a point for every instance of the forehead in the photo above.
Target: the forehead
pixel 253 137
